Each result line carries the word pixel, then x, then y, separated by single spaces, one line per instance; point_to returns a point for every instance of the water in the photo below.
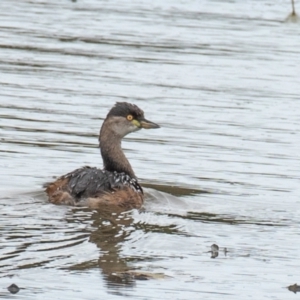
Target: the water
pixel 221 78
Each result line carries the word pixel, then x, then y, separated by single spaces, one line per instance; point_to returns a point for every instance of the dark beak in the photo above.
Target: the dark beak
pixel 148 124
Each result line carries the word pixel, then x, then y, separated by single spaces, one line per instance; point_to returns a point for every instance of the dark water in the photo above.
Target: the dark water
pixel 221 78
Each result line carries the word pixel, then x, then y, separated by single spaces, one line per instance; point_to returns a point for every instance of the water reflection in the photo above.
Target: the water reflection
pixel 109 234
pixel 109 231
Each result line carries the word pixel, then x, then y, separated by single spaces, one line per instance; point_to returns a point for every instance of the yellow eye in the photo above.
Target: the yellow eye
pixel 129 117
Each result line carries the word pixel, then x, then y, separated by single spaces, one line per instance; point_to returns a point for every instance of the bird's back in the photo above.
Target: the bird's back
pixel 75 188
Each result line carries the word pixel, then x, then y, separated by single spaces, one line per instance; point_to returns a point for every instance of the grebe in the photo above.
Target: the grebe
pixel 115 187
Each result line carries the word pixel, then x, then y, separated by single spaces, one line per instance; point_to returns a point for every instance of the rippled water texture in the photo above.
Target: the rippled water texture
pixel 222 80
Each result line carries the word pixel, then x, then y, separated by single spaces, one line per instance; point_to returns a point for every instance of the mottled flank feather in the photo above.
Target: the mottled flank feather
pixel 117 201
pixel 86 182
pixel 76 187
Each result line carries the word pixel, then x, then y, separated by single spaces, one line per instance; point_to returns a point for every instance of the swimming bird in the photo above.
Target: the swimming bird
pixel 115 187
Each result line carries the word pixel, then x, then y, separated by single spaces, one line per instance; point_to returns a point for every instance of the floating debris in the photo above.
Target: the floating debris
pixel 214 250
pixel 225 251
pixel 293 8
pixel 13 288
pixel 294 288
pixel 292 17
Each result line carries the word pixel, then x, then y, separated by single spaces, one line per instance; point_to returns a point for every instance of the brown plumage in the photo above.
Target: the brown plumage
pixel 115 188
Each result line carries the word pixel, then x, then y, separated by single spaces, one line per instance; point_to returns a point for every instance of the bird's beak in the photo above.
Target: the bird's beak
pixel 148 124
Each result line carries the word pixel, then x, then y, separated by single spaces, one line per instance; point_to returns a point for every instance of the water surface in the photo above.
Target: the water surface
pixel 222 80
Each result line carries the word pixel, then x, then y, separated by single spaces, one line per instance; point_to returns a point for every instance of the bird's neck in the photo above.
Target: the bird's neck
pixel 114 159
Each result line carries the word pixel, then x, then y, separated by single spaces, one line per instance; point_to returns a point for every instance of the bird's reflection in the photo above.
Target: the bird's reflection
pixel 110 232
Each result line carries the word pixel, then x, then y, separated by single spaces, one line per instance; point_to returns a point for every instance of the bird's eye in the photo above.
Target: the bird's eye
pixel 129 117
